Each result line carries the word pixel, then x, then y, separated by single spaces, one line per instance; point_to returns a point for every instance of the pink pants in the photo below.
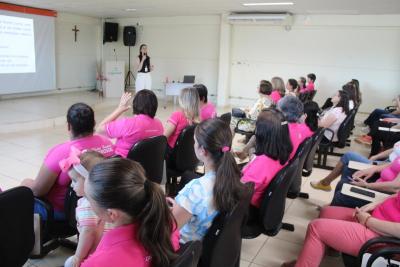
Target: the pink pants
pixel 336 228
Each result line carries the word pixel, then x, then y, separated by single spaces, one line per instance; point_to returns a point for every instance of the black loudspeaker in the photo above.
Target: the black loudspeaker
pixel 129 36
pixel 110 32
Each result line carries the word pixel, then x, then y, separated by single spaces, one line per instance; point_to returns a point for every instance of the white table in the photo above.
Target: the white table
pixel 174 89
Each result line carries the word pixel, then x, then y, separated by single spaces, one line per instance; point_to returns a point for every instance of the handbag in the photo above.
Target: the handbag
pixel 238 113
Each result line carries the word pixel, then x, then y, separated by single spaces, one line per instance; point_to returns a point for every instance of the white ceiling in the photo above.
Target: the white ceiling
pixel 146 8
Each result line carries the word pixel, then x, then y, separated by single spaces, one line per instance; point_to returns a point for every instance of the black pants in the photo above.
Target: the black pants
pixel 382 139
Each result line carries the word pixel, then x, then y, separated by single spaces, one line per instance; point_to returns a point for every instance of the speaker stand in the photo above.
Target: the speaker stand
pixel 129 74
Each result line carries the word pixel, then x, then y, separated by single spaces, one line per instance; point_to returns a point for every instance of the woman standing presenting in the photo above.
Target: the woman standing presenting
pixel 143 68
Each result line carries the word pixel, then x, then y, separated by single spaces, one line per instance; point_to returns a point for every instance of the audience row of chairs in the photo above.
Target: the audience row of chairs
pixel 222 243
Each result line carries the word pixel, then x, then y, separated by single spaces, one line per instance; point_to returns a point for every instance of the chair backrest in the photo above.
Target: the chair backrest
pixel 304 97
pixel 150 153
pixel 189 255
pixel 16 224
pixel 226 117
pixel 316 139
pixel 312 95
pixel 345 129
pixel 223 242
pixel 70 204
pixel 301 154
pixel 274 199
pixel 183 154
pixel 354 117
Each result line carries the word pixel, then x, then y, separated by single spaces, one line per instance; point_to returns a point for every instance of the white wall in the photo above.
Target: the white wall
pixel 177 46
pixel 76 61
pixel 335 48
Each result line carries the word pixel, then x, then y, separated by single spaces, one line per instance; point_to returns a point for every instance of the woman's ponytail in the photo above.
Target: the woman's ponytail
pixel 156 225
pixel 216 138
pixel 227 188
pixel 122 184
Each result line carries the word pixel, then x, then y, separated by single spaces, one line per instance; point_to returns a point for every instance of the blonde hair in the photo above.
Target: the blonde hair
pixel 189 101
pixel 278 85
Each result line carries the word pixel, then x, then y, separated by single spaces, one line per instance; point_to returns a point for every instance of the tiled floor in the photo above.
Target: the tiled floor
pixel 21 155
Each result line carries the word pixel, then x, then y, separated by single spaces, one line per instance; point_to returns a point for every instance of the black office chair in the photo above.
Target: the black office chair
pixel 150 153
pixel 343 133
pixel 181 159
pixel 223 242
pixel 247 134
pixel 16 224
pixel 55 233
pixel 268 219
pixel 309 162
pixel 304 97
pixel 189 255
pixel 383 249
pixel 352 122
pixel 312 95
pixel 301 154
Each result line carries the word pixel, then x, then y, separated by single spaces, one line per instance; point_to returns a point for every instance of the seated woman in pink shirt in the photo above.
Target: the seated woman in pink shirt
pixel 51 182
pixel 347 229
pixel 130 130
pixel 388 181
pixel 272 151
pixel 310 82
pixel 278 87
pixel 187 114
pixel 293 110
pixel 207 109
pixel 144 233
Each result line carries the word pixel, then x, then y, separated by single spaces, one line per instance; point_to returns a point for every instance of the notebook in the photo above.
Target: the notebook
pixel 378 196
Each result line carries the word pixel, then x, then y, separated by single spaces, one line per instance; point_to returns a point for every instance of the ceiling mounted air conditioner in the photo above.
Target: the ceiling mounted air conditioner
pixel 273 19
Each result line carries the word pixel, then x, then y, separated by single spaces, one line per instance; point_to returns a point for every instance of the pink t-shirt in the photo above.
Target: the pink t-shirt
pixel 208 112
pixel 119 247
pixel 275 96
pixel 178 119
pixel 389 210
pixel 298 133
pixel 56 195
pixel 310 87
pixel 390 172
pixel 261 170
pixel 129 131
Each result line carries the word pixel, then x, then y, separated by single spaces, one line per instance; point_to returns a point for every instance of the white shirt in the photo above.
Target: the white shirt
pixel 351 104
pixel 340 116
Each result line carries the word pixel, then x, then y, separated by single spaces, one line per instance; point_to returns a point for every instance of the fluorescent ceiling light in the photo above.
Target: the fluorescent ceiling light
pixel 269 4
pixel 130 9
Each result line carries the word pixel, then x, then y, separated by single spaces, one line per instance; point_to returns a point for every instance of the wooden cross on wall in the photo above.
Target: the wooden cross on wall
pixel 75 30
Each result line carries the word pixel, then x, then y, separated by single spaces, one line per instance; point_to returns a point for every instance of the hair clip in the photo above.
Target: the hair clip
pixel 226 149
pixel 283 123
